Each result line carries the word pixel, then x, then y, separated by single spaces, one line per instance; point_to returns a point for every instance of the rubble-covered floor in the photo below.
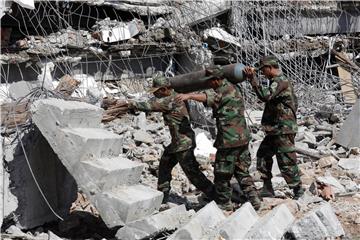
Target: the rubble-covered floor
pixel 110 50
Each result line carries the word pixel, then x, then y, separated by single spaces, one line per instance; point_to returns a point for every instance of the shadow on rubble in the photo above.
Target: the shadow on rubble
pixel 81 225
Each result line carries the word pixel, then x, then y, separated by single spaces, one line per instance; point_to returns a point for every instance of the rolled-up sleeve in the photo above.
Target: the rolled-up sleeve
pixel 159 105
pixel 212 98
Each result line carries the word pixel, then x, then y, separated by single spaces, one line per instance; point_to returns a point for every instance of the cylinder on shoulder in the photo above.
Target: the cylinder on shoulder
pixel 197 80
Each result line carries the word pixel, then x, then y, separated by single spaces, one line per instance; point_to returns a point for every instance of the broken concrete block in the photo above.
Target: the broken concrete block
pixel 309 138
pixel 140 121
pixel 327 161
pixel 202 225
pixel 80 144
pixel 349 134
pixel 330 180
pixel 170 219
pixel 105 173
pixel 52 113
pixel 121 32
pixel 21 89
pixel 30 4
pixel 239 223
pixel 142 136
pixel 349 163
pixel 308 227
pixel 328 218
pixel 273 225
pixel 349 185
pixel 125 204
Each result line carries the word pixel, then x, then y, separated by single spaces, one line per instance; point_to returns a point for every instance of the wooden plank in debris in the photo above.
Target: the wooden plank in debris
pixel 67 85
pixel 13 114
pixel 347 87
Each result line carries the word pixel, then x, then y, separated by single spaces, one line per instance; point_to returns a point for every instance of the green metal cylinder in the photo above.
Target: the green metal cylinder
pixel 195 81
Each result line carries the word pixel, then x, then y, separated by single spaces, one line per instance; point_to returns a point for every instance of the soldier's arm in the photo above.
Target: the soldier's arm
pixel 158 105
pixel 269 93
pixel 199 97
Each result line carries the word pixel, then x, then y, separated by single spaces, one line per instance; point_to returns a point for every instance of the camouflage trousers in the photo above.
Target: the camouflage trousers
pixel 190 166
pixel 228 163
pixel 283 146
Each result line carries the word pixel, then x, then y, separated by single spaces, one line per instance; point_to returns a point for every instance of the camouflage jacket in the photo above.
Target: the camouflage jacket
pixel 176 117
pixel 228 109
pixel 279 115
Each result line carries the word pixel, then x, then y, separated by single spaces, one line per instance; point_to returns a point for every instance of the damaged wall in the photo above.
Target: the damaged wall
pixel 57 184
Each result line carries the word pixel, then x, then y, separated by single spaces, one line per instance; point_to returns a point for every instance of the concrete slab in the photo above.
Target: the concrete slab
pixel 308 227
pixel 105 173
pixel 202 225
pixel 330 180
pixel 83 144
pixel 126 204
pixel 57 112
pixel 170 219
pixel 350 163
pixel 273 225
pixel 239 223
pixel 349 134
pixel 328 218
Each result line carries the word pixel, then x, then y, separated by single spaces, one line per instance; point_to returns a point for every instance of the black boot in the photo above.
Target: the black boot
pixel 166 197
pixel 254 199
pixel 267 190
pixel 298 192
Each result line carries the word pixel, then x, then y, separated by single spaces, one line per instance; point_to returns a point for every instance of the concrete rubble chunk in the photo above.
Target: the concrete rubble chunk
pixel 126 204
pixel 308 227
pixel 57 112
pixel 327 161
pixel 273 225
pixel 239 223
pixel 330 180
pixel 170 219
pixel 109 172
pixel 202 225
pixel 350 163
pixel 90 154
pixel 328 218
pixel 349 134
pixel 121 31
pixel 81 144
pixel 142 136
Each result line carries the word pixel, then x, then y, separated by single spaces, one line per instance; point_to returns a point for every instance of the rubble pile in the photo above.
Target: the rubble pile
pixel 78 164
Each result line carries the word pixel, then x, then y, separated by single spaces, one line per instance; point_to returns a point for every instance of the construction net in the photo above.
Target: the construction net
pixel 316 42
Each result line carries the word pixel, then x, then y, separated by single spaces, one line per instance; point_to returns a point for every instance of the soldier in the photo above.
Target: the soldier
pixel 232 157
pixel 181 149
pixel 279 123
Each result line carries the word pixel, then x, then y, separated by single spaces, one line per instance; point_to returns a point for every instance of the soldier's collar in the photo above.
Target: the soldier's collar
pixel 278 77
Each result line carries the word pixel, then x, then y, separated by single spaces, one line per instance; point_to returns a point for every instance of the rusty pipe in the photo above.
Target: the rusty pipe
pixel 197 80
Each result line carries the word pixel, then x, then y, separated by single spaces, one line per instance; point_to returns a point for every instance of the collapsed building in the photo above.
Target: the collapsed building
pixel 61 60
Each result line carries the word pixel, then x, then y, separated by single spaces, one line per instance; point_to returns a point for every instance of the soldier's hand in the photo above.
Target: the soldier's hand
pixel 249 72
pixel 182 97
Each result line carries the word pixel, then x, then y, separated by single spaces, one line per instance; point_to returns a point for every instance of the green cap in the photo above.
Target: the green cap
pixel 159 82
pixel 269 60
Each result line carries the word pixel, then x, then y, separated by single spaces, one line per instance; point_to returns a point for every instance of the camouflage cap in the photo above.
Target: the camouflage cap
pixel 159 82
pixel 269 60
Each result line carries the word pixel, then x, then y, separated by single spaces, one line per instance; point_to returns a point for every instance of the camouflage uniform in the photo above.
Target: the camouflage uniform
pixel 181 149
pixel 232 157
pixel 279 123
